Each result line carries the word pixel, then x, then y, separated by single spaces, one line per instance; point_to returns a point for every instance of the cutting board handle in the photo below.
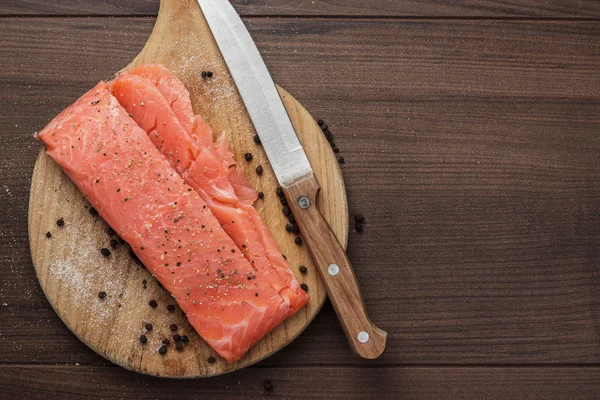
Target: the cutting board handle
pixel 335 270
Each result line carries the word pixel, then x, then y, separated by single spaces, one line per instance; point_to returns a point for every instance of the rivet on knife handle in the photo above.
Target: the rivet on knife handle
pixel 335 270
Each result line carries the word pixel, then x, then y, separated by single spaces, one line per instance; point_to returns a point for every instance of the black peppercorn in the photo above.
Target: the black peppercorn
pixel 170 308
pixel 114 243
pixel 286 210
pixel 185 339
pixel 268 385
pixel 248 156
pixel 173 327
pixel 166 342
pixel 335 149
pixel 178 346
pixel 102 295
pixel 148 326
pixel 93 211
pixel 320 122
pixel 259 170
pixel 143 339
pixel 359 218
pixel 60 222
pixel 279 191
pixel 48 235
pixel 324 127
pixel 162 350
pixel 341 160
pixel 295 229
pixel 256 138
pixel 153 303
pixel 298 240
pixel 209 74
pixel 358 227
pixel 304 287
pixel 211 360
pixel 283 201
pixel 105 252
pixel 261 195
pixel 177 337
pixel 291 219
pixel 110 231
pixel 203 74
pixel 303 269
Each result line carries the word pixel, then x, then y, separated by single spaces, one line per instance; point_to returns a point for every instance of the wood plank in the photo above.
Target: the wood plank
pixel 470 146
pixel 312 8
pixel 317 382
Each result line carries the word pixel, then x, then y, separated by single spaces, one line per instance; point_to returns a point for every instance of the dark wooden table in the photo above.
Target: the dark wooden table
pixel 471 135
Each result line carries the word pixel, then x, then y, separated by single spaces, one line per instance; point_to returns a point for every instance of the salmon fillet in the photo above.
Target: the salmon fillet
pixel 212 174
pixel 120 170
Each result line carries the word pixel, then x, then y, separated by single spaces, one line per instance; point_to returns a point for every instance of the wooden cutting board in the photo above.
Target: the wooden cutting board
pixel 72 271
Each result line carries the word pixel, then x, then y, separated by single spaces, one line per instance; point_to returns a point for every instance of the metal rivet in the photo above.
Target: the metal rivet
pixel 333 269
pixel 363 337
pixel 304 202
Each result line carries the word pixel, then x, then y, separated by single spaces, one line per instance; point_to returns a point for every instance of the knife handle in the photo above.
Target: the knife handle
pixel 335 270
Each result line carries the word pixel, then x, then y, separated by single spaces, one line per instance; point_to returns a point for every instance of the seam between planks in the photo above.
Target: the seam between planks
pixel 319 17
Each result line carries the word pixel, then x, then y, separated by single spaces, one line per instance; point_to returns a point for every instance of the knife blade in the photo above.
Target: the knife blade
pixel 294 173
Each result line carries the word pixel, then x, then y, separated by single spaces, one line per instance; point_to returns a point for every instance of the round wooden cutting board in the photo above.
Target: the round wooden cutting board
pixel 72 271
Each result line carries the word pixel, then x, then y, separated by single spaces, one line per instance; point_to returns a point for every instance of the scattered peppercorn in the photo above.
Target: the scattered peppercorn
pixel 359 227
pixel 166 342
pixel 162 350
pixel 248 156
pixel 291 219
pixel 179 346
pixel 211 360
pixel 170 308
pixel 48 235
pixel 143 339
pixel 177 337
pixel 283 201
pixel 298 240
pixel 288 227
pixel 148 326
pixel 173 327
pixel 268 385
pixel 114 243
pixel 279 191
pixel 259 170
pixel 93 211
pixel 336 149
pixel 324 127
pixel 341 160
pixel 295 229
pixel 256 138
pixel 110 231
pixel 102 294
pixel 359 218
pixel 304 287
pixel 105 252
pixel 303 269
pixel 153 303
pixel 209 74
pixel 286 210
pixel 261 195
pixel 320 122
pixel 60 222
pixel 203 74
pixel 185 339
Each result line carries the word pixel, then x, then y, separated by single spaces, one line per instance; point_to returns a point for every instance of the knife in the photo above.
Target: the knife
pixel 294 173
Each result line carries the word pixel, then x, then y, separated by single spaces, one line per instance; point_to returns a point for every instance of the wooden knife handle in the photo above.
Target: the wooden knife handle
pixel 335 270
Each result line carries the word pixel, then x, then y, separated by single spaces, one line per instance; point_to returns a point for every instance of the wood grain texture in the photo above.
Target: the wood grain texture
pixel 318 8
pixel 318 382
pixel 471 147
pixel 72 271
